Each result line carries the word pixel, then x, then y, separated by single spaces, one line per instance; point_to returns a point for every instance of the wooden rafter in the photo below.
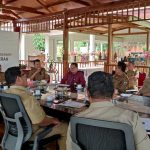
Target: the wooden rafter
pixel 11 12
pixel 95 2
pixel 44 6
pixel 31 9
pixel 57 3
pixel 23 9
pixel 95 32
pixel 119 28
pixel 82 2
pixel 8 2
pixel 132 33
pixel 132 25
pixel 6 17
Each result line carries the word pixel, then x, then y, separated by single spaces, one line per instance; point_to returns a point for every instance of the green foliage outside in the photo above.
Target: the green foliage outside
pixel 79 44
pixel 105 47
pixel 39 42
pixel 59 48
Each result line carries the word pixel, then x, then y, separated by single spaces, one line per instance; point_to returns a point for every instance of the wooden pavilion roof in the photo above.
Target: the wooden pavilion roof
pixel 24 9
pixel 87 16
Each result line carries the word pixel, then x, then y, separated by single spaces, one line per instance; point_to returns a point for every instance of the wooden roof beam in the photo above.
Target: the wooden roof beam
pixel 11 12
pixel 25 9
pixel 95 2
pixel 31 9
pixel 86 32
pixel 43 5
pixel 8 2
pixel 120 28
pixel 92 30
pixel 81 2
pixel 131 25
pixel 6 17
pixel 133 33
pixel 57 3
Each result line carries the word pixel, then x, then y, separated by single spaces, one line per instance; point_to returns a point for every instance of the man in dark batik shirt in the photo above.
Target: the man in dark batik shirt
pixel 74 77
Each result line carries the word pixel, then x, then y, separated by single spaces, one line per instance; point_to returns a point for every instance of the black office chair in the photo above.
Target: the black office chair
pixel 18 127
pixel 92 134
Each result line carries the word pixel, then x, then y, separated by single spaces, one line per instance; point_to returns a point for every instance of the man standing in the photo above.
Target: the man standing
pixel 132 75
pixel 100 91
pixel 145 89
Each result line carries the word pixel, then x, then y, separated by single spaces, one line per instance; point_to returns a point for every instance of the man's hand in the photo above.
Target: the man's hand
pixel 38 70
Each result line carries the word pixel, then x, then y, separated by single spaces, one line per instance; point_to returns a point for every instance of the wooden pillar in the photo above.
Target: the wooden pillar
pixel 147 43
pixel 110 45
pixel 65 44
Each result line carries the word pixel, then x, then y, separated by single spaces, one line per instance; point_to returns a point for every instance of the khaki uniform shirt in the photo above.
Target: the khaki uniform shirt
pixel 132 82
pixel 108 111
pixel 121 83
pixel 39 76
pixel 33 108
pixel 146 86
pixel 2 77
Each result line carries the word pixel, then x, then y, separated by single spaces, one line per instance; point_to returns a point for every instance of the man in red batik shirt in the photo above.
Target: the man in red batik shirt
pixel 74 77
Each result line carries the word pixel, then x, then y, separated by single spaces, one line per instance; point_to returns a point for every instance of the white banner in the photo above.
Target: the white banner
pixel 9 49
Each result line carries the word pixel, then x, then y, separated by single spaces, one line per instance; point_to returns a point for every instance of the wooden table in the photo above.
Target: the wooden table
pixel 59 111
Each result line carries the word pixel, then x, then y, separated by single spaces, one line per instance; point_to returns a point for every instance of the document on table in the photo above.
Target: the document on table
pixel 132 90
pixel 125 95
pixel 73 104
pixel 146 123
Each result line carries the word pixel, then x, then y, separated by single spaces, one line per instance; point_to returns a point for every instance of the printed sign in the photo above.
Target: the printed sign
pixel 9 49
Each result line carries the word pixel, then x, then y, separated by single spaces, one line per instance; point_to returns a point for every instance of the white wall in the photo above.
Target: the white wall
pixel 9 49
pixel 54 36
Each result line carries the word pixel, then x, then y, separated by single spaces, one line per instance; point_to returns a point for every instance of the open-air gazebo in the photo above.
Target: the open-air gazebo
pixel 107 108
pixel 100 17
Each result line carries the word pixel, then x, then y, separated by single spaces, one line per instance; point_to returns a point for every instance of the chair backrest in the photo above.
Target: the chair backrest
pixel 141 79
pixel 18 127
pixel 92 134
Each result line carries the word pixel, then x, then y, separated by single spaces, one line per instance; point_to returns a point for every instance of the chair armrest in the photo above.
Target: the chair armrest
pixel 39 139
pixel 45 131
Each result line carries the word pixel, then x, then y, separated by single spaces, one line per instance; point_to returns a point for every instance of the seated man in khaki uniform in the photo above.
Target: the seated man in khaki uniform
pixel 2 75
pixel 120 79
pixel 132 75
pixel 100 90
pixel 145 90
pixel 38 73
pixel 38 117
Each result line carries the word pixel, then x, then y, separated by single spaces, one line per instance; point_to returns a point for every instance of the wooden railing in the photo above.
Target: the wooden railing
pixel 89 16
pixel 57 72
